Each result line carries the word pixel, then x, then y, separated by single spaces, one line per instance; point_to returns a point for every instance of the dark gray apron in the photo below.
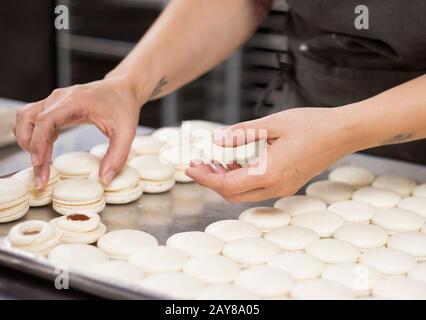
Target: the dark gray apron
pixel 333 64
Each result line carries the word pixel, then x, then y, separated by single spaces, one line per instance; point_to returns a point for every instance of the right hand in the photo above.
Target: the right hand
pixel 110 104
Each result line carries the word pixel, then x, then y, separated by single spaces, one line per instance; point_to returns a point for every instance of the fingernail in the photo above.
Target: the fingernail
pixel 34 159
pixel 108 177
pixel 196 162
pixel 38 183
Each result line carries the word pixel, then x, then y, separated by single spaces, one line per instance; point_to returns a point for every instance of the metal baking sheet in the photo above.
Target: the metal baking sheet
pixel 186 207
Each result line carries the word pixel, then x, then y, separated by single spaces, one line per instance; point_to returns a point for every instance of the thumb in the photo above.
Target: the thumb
pixel 116 156
pixel 246 132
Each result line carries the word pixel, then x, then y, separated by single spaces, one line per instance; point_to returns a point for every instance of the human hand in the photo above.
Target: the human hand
pixel 301 144
pixel 109 104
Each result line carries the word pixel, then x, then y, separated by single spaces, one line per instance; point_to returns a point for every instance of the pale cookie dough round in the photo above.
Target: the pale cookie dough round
pixel 229 230
pixel 320 289
pixel 82 195
pixel 76 165
pixel 420 191
pixel 168 135
pixel 159 259
pixel 354 176
pixel 265 281
pixel 156 177
pixel 250 251
pixel 401 289
pixel 398 220
pixel 36 237
pixel 101 150
pixel 79 227
pixel 415 204
pixel 124 188
pixel 401 185
pixel 413 243
pixel 195 243
pixel 353 211
pixel 292 238
pixel 115 271
pixel 212 269
pixel 266 218
pixel 333 251
pixel 75 256
pixel 225 292
pixel 418 272
pixel 364 236
pixel 377 197
pixel 38 198
pixel 14 200
pixel 146 145
pixel 120 244
pixel 388 261
pixel 173 285
pixel 298 204
pixel 299 265
pixel 322 222
pixel 330 191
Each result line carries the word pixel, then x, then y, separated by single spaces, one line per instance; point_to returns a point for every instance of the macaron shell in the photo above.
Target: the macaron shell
pixel 14 213
pixel 124 196
pixel 75 256
pixel 76 164
pixel 128 177
pixel 150 186
pixel 79 190
pixel 66 209
pixel 27 176
pixel 181 177
pixel 146 145
pixel 149 167
pixel 11 192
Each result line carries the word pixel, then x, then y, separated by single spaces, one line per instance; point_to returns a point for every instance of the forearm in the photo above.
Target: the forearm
pixel 188 39
pixel 394 116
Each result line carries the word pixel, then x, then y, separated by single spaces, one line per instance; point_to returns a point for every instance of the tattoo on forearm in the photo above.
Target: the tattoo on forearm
pixel 158 89
pixel 399 138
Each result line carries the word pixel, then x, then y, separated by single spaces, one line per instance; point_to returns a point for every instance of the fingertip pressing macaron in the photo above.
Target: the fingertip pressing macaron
pixel 155 176
pixel 76 256
pixel 292 238
pixel 195 243
pixel 82 195
pixel 266 218
pixel 38 198
pixel 14 200
pixel 401 185
pixel 353 211
pixel 354 176
pixel 322 222
pixel 146 145
pixel 124 188
pixel 377 197
pixel 297 204
pixel 212 269
pixel 228 230
pixel 330 191
pixel 397 220
pixel 333 251
pixel 159 259
pixel 76 165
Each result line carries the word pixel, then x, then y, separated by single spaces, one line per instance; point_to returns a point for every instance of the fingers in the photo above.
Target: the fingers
pixel 25 120
pixel 42 172
pixel 116 157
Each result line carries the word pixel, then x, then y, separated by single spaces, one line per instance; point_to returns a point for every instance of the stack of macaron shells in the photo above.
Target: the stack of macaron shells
pixel 124 188
pixel 38 198
pixel 101 150
pixel 76 165
pixel 14 200
pixel 180 156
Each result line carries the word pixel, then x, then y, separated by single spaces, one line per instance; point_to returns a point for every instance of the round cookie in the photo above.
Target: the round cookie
pixel 330 191
pixel 377 197
pixel 265 281
pixel 195 243
pixel 38 198
pixel 355 276
pixel 298 204
pixel 250 251
pixel 156 177
pixel 76 165
pixel 398 220
pixel 415 204
pixel 229 230
pixel 225 292
pixel 266 218
pixel 388 261
pixel 168 135
pixel 401 185
pixel 159 259
pixel 420 191
pixel 401 289
pixel 322 222
pixel 180 157
pixel 413 243
pixel 115 271
pixel 418 272
pixel 120 244
pixel 173 284
pixel 82 195
pixel 364 236
pixel 79 227
pixel 146 145
pixel 14 200
pixel 75 256
pixel 353 211
pixel 101 150
pixel 299 265
pixel 333 251
pixel 37 237
pixel 124 188
pixel 354 176
pixel 212 269
pixel 292 238
pixel 320 289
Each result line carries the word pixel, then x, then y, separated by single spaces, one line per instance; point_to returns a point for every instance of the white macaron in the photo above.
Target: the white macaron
pixel 14 200
pixel 413 243
pixel 266 218
pixel 212 269
pixel 415 204
pixel 168 135
pixel 292 238
pixel 159 259
pixel 76 165
pixel 330 191
pixel 377 197
pixel 297 204
pixel 196 243
pixel 418 272
pixel 180 157
pixel 228 230
pixel 333 251
pixel 75 256
pixel 353 211
pixel 364 236
pixel 401 185
pixel 354 176
pixel 101 150
pixel 401 289
pixel 143 145
pixel 322 222
pixel 398 220
pixel 299 265
pixel 420 191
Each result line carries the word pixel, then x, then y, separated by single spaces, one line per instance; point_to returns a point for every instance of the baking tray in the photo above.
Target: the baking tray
pixel 187 207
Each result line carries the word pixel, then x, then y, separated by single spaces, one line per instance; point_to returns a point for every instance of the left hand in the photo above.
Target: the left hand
pixel 301 144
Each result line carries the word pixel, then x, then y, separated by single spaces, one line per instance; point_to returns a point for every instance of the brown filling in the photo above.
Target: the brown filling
pixel 31 232
pixel 78 217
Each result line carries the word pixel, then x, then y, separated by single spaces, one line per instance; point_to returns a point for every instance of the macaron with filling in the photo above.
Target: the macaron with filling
pixel 14 200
